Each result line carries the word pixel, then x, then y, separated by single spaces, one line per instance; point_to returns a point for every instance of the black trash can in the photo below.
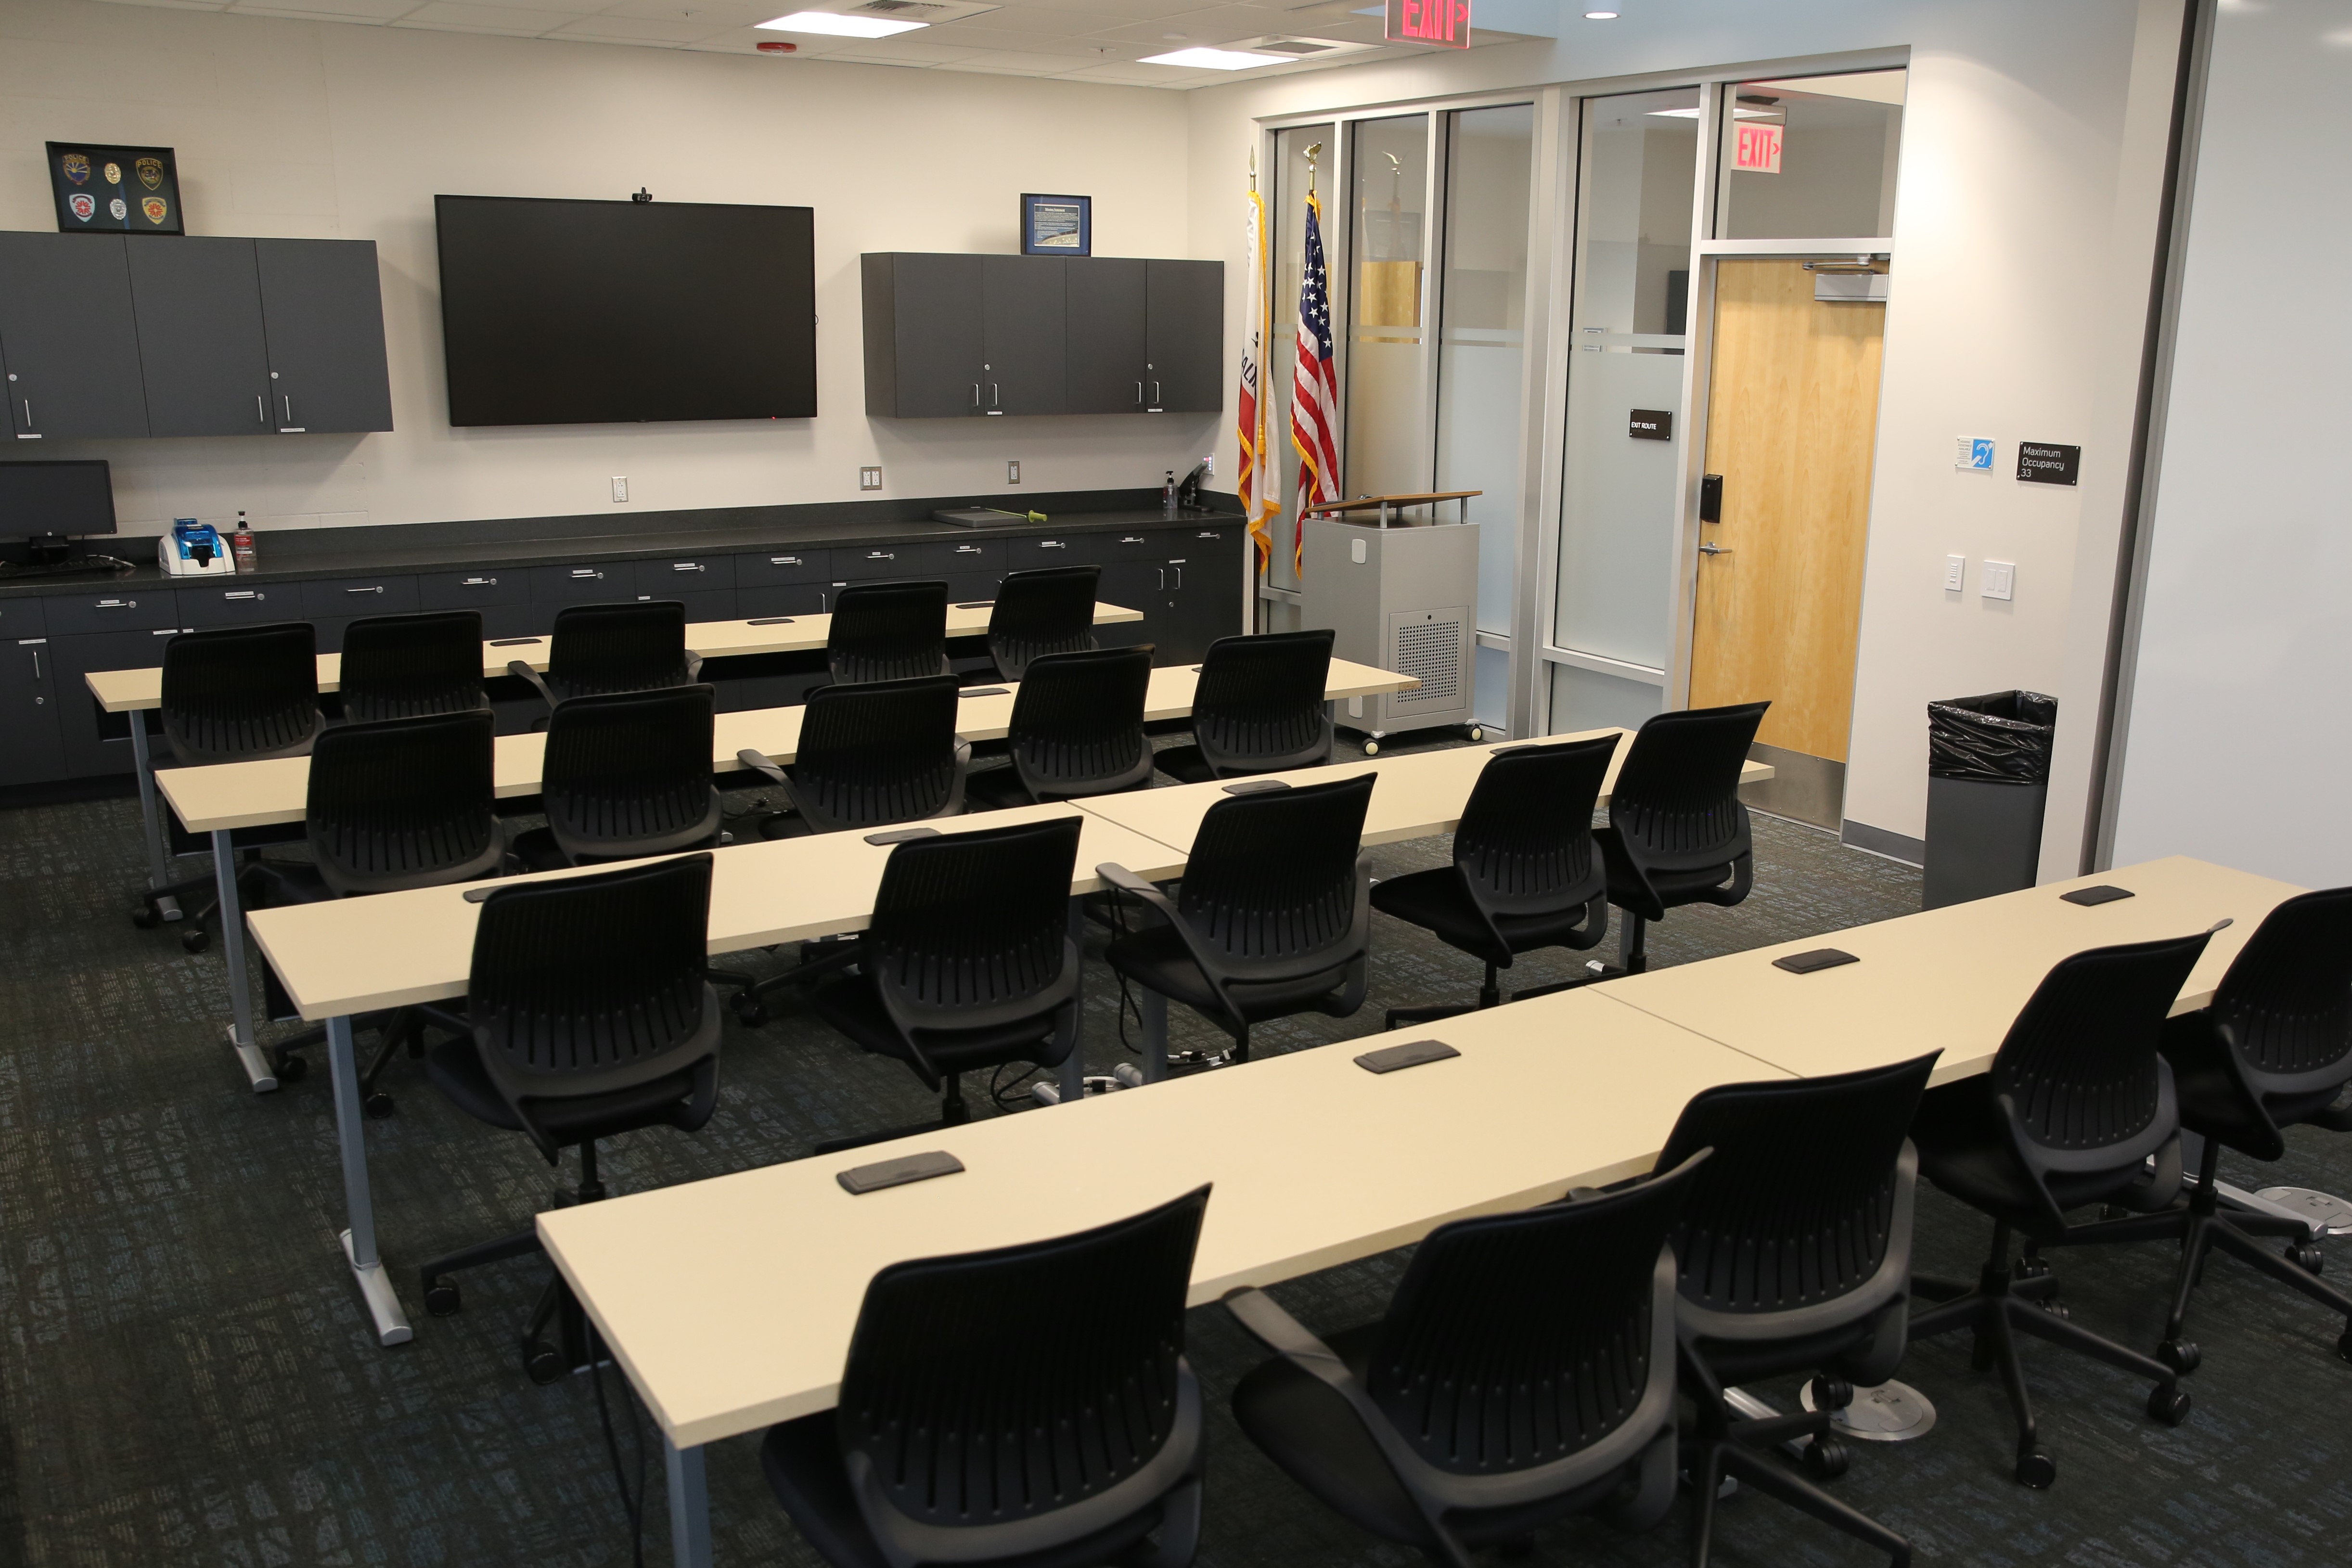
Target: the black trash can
pixel 1987 778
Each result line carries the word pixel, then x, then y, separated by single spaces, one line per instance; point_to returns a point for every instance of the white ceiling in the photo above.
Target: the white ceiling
pixel 1076 40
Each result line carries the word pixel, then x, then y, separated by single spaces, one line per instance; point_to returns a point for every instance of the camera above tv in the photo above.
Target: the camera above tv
pixel 576 313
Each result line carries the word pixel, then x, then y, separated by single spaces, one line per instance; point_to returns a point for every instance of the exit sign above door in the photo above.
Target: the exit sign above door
pixel 1443 23
pixel 1755 148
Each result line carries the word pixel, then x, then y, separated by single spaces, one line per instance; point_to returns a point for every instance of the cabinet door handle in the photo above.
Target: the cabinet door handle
pixel 1179 579
pixel 975 395
pixel 378 588
pixel 479 582
pixel 260 410
pixel 1155 392
pixel 1163 578
pixel 287 398
pixel 991 394
pixel 28 414
pixel 37 664
pixel 1138 392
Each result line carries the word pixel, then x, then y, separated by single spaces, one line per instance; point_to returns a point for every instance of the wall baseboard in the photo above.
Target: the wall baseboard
pixel 1879 841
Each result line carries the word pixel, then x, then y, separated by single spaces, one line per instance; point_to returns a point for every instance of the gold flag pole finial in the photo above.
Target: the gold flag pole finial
pixel 1314 151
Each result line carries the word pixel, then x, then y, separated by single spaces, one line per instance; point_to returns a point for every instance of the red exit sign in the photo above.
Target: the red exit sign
pixel 1444 22
pixel 1756 148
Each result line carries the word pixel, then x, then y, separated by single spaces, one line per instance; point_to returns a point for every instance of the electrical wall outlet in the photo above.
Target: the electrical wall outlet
pixel 1999 580
pixel 869 478
pixel 620 486
pixel 1012 472
pixel 1955 573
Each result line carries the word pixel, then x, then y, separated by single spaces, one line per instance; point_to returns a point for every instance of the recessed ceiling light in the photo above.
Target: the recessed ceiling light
pixel 1212 60
pixel 1601 15
pixel 838 25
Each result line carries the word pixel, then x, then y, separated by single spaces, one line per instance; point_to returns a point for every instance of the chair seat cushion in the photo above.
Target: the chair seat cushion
pixel 1437 901
pixel 455 1068
pixel 1183 764
pixel 853 1006
pixel 1964 1148
pixel 1157 957
pixel 804 1468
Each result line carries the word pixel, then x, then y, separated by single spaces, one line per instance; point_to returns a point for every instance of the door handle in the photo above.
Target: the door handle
pixel 1716 550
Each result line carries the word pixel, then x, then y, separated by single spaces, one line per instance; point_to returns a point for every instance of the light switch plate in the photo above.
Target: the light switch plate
pixel 620 486
pixel 1012 472
pixel 1955 573
pixel 1999 579
pixel 869 478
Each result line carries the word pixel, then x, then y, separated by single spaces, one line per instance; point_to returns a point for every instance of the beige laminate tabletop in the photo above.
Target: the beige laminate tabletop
pixel 356 955
pixel 124 690
pixel 1419 793
pixel 1952 979
pixel 225 795
pixel 731 1300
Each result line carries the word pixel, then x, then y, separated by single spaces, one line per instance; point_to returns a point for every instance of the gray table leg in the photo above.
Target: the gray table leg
pixel 359 1242
pixel 240 983
pixel 1155 1033
pixel 2192 1155
pixel 690 1506
pixel 151 820
pixel 1074 1067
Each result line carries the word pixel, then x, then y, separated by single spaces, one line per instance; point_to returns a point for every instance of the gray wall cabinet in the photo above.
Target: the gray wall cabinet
pixel 68 340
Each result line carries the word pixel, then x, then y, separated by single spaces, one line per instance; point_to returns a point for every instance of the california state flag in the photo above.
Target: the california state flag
pixel 1252 403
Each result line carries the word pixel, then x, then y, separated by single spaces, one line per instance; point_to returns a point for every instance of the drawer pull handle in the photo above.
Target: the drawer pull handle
pixel 118 604
pixel 686 566
pixel 588 572
pixel 880 555
pixel 377 588
pixel 1051 544
pixel 785 560
pixel 1209 534
pixel 967 550
pixel 479 582
pixel 1134 538
pixel 242 594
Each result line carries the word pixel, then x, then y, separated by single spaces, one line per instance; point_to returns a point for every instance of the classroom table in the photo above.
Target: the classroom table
pixel 137 690
pixel 728 1302
pixel 389 949
pixel 215 800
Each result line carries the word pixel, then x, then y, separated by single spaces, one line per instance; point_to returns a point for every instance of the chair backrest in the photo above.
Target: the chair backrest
pixel 241 693
pixel 946 1425
pixel 2286 1002
pixel 1525 842
pixel 1042 612
pixel 405 666
pixel 1259 707
pixel 629 774
pixel 1273 886
pixel 1803 1215
pixel 1676 804
pixel 1077 722
pixel 2081 1066
pixel 878 753
pixel 591 984
pixel 403 803
pixel 598 648
pixel 887 631
pixel 1518 1341
pixel 970 930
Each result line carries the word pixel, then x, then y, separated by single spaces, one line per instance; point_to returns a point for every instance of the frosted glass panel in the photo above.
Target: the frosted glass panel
pixel 1482 344
pixel 1619 505
pixel 1386 447
pixel 1823 150
pixel 1586 700
pixel 1490 701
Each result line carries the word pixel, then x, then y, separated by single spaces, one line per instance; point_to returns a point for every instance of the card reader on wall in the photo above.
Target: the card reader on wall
pixel 192 549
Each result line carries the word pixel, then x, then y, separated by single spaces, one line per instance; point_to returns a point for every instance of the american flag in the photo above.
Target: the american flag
pixel 1314 396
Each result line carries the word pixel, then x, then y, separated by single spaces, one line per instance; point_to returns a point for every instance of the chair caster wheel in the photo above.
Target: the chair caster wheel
pixel 195 939
pixel 2181 1355
pixel 2308 1257
pixel 1827 1458
pixel 289 1067
pixel 2030 1268
pixel 2343 1346
pixel 1832 1393
pixel 542 1363
pixel 2169 1404
pixel 377 1105
pixel 146 916
pixel 751 1015
pixel 1371 747
pixel 441 1298
pixel 2037 1469
pixel 1478 733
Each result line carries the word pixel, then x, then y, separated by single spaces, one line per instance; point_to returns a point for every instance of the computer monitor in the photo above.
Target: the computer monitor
pixel 48 503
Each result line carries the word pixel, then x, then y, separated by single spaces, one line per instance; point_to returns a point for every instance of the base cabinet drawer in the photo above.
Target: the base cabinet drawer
pixel 357 596
pixel 472 590
pixel 609 582
pixel 125 610
pixel 252 606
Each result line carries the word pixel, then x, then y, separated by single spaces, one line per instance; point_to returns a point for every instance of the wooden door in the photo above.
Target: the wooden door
pixel 1793 420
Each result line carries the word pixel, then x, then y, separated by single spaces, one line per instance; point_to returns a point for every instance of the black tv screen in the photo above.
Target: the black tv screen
pixel 75 497
pixel 567 313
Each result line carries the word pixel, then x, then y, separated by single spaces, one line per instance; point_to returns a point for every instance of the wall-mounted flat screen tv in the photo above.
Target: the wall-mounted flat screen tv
pixel 568 313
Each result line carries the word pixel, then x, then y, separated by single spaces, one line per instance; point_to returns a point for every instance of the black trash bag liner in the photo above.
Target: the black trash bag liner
pixel 2002 737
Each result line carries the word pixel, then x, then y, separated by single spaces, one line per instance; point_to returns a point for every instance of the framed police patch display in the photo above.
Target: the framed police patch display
pixel 115 190
pixel 1057 226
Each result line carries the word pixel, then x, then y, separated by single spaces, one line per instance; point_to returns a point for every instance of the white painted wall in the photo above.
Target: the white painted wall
pixel 2238 743
pixel 326 130
pixel 2025 230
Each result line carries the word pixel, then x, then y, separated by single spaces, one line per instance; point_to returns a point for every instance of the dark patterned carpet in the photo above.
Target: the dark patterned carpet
pixel 190 1378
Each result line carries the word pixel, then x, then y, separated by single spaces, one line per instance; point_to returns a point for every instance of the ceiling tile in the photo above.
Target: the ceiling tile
pixel 1026 64
pixel 334 10
pixel 636 29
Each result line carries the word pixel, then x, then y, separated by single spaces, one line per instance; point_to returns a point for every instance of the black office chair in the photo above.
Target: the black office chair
pixel 238 694
pixel 1678 832
pixel 948 1446
pixel 966 965
pixel 887 631
pixel 405 666
pixel 2272 1050
pixel 590 1017
pixel 1795 1256
pixel 2078 1108
pixel 601 648
pixel 1259 709
pixel 871 755
pixel 391 806
pixel 1077 729
pixel 1039 612
pixel 1274 916
pixel 1524 875
pixel 1524 1371
pixel 627 774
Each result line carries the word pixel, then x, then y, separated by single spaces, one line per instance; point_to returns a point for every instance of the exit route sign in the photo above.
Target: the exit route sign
pixel 1755 148
pixel 1444 23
